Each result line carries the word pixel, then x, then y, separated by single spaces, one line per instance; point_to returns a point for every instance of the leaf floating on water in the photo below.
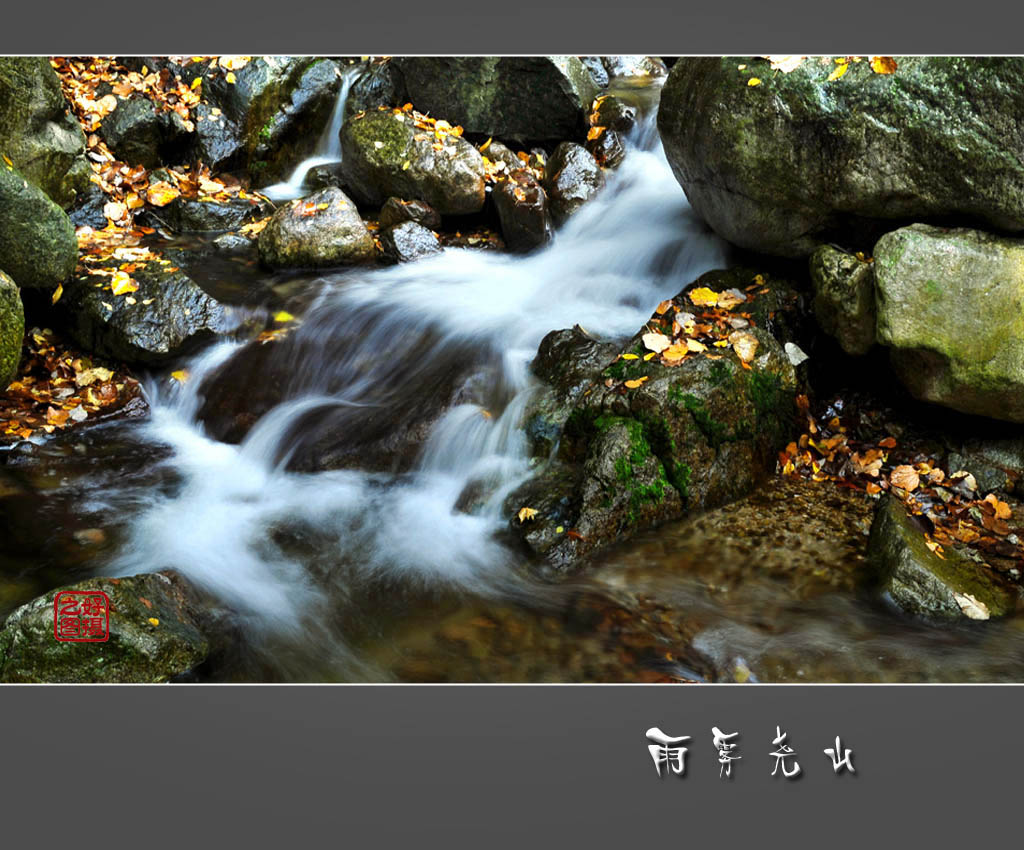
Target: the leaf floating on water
pixel 905 477
pixel 883 64
pixel 636 383
pixel 526 513
pixel 972 607
pixel 656 342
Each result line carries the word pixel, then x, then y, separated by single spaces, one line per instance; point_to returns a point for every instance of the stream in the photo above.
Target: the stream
pixel 352 575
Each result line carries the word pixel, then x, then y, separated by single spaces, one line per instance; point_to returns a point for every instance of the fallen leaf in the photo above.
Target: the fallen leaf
pixel 883 64
pixel 785 63
pixel 57 293
pixel 754 81
pixel 636 383
pixel 526 513
pixel 841 68
pixel 905 477
pixel 655 342
pixel 161 193
pixel 971 606
pixel 744 344
pixel 703 297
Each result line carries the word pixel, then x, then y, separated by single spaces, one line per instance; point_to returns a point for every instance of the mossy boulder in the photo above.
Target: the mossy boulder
pixel 384 154
pixel 169 315
pixel 951 309
pixel 269 118
pixel 690 436
pixel 37 132
pixel 844 297
pixel 511 97
pixel 156 632
pixel 12 329
pixel 777 167
pixel 38 247
pixel 951 587
pixel 322 230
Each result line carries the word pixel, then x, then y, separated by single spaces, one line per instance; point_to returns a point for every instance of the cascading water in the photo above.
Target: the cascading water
pixel 328 147
pixel 372 346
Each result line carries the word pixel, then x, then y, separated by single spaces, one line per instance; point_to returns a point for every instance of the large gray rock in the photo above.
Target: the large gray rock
pixel 384 154
pixel 156 632
pixel 168 316
pixel 140 134
pixel 12 329
pixel 408 241
pixel 513 97
pixel 844 297
pixel 947 588
pixel 322 230
pixel 522 206
pixel 38 247
pixel 270 117
pixel 774 167
pixel 37 132
pixel 950 308
pixel 686 437
pixel 571 178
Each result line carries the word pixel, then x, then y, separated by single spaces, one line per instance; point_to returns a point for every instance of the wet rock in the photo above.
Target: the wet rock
pixel 395 211
pixel 510 97
pixel 597 70
pixel 156 630
pixel 88 208
pixel 997 463
pixel 949 309
pixel 38 247
pixel 269 119
pixel 381 84
pixel 522 206
pixel 12 329
pixel 322 230
pixel 382 157
pixel 192 215
pixel 911 145
pixel 614 113
pixel 500 153
pixel 952 587
pixel 37 131
pixel 844 298
pixel 571 178
pixel 619 67
pixel 608 149
pixel 408 241
pixel 325 176
pixel 139 134
pixel 168 316
pixel 691 436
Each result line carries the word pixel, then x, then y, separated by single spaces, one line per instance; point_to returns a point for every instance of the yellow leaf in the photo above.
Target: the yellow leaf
pixel 322 206
pixel 883 64
pixel 526 513
pixel 753 81
pixel 675 352
pixel 560 529
pixel 196 83
pixel 630 356
pixel 704 297
pixel 594 132
pixel 486 144
pixel 838 71
pixel 123 283
pixel 7 159
pixel 283 316
pixel 161 193
pixel 634 384
pixel 153 621
pixel 57 293
pixel 650 354
pixel 695 346
pixel 180 375
pixel 229 77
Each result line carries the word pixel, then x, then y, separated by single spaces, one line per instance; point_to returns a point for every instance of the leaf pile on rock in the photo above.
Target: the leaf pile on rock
pixel 58 388
pixel 845 446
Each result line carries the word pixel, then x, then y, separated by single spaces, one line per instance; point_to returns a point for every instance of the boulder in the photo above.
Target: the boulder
pixel 270 117
pixel 619 67
pixel 780 166
pixel 140 134
pixel 384 154
pixel 512 97
pixel 37 132
pixel 12 329
pixel 156 632
pixel 844 297
pixel 522 206
pixel 608 148
pixel 87 210
pixel 597 70
pixel 614 113
pixel 645 442
pixel 194 215
pixel 953 587
pixel 381 84
pixel 322 230
pixel 408 241
pixel 38 247
pixel 395 211
pixel 169 315
pixel 950 309
pixel 571 178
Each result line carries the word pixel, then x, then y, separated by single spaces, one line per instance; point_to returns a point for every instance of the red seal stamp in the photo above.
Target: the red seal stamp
pixel 81 615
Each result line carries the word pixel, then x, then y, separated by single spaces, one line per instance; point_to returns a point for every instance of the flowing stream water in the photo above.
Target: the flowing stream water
pixel 346 575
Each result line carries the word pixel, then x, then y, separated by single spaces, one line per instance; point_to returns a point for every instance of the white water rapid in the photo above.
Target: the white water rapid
pixel 373 340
